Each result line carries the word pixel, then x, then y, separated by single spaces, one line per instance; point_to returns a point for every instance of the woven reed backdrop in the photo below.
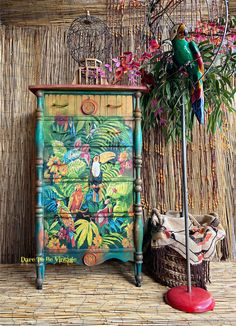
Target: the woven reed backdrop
pixel 38 55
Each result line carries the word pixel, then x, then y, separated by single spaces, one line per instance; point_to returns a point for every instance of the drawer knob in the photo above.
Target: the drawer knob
pixel 89 106
pixel 90 259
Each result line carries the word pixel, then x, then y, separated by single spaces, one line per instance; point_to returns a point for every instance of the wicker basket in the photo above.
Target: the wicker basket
pixel 168 267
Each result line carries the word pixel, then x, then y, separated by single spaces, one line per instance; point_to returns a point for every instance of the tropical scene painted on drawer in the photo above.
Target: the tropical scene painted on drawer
pixel 88 178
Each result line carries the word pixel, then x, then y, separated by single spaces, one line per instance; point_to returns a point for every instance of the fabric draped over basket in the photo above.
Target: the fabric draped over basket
pixel 204 233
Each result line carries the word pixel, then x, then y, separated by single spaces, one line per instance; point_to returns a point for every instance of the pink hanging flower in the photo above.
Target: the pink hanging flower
pixel 127 56
pixel 158 112
pixel 135 65
pixel 153 45
pixel 117 62
pixel 108 67
pixel 145 56
pixel 162 122
pixel 154 103
pixel 119 73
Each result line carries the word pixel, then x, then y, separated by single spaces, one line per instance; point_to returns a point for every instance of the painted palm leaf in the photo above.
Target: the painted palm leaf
pixel 59 149
pixel 76 169
pixel 85 232
pixel 110 171
pixel 112 239
pixel 111 133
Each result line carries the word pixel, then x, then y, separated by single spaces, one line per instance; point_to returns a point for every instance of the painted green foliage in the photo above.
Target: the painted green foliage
pixel 88 183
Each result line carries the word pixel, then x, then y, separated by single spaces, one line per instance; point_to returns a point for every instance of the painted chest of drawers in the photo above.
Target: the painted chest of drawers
pixel 88 184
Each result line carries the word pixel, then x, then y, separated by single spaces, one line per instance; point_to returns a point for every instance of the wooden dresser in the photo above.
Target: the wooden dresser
pixel 88 162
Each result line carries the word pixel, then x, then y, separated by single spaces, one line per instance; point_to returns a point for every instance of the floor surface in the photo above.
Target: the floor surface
pixel 105 295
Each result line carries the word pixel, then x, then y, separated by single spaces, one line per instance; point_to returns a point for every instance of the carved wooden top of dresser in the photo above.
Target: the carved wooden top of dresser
pixel 70 87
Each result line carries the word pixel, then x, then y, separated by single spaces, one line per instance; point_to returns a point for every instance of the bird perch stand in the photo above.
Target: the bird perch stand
pixel 188 298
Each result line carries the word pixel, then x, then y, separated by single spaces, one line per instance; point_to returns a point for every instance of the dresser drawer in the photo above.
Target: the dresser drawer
pixel 82 162
pixel 62 234
pixel 84 105
pixel 92 131
pixel 65 199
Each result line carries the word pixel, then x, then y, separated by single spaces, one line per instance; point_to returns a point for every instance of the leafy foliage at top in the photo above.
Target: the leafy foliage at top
pixel 162 105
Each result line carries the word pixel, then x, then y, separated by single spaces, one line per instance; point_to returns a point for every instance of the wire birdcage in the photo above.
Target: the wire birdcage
pixel 89 37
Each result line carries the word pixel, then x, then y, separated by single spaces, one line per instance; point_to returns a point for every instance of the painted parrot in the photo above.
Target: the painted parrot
pixel 65 219
pixel 187 54
pixel 76 200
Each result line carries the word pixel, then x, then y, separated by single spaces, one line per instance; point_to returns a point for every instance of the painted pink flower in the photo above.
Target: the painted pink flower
pixel 63 235
pixel 61 120
pixel 77 143
pixel 86 157
pixel 123 157
pixel 221 28
pixel 128 164
pixel 85 148
pixel 85 153
pixel 211 24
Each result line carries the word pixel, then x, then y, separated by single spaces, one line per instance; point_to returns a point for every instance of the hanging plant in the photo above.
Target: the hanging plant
pixel 169 84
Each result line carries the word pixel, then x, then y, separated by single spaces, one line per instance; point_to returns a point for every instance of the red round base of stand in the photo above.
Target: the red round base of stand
pixel 199 300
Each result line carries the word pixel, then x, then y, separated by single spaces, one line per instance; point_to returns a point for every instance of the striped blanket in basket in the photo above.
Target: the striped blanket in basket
pixel 204 232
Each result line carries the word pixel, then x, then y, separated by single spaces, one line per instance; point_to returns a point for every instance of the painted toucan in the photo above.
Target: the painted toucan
pixel 95 179
pixel 188 55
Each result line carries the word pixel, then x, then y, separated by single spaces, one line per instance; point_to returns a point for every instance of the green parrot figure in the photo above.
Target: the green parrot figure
pixel 187 54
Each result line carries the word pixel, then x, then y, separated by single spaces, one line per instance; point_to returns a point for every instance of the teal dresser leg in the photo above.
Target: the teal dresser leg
pixel 138 226
pixel 138 245
pixel 40 269
pixel 39 227
pixel 138 273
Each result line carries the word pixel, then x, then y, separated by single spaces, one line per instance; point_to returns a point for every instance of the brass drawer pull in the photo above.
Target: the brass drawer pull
pixel 110 106
pixel 60 105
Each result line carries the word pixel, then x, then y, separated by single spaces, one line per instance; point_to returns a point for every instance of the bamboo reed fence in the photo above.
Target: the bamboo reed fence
pixel 38 55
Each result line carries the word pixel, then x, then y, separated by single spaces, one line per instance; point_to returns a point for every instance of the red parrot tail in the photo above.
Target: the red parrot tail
pixel 197 100
pixel 73 241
